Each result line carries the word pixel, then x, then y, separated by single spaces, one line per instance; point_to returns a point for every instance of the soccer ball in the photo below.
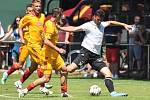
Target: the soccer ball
pixel 95 90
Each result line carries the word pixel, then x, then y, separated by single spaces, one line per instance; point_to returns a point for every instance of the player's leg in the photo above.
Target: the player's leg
pixel 24 54
pixel 63 83
pixel 40 75
pixel 29 70
pixel 47 74
pixel 59 65
pixel 80 60
pixel 36 59
pixel 38 56
pixel 101 66
pixel 32 85
pixel 27 73
pixel 5 75
pixel 13 68
pixel 71 67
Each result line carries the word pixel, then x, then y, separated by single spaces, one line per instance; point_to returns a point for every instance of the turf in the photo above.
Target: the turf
pixel 79 89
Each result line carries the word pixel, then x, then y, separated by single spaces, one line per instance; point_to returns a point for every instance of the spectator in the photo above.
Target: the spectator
pixel 136 38
pixel 1 52
pixel 1 31
pixel 65 37
pixel 13 31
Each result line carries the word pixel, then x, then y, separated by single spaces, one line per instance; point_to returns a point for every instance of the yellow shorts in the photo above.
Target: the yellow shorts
pixel 23 53
pixel 37 55
pixel 53 63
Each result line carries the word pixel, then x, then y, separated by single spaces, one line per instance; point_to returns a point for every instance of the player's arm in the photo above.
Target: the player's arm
pixel 70 28
pixel 21 35
pixel 50 44
pixel 49 30
pixel 126 26
pixel 22 24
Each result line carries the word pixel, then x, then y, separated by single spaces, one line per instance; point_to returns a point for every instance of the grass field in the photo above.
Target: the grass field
pixel 78 88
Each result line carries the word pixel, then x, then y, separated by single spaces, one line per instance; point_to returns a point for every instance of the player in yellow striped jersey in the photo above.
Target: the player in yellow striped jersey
pixel 53 58
pixel 22 56
pixel 34 22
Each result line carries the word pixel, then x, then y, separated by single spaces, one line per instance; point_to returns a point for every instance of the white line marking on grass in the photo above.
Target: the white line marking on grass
pixel 12 97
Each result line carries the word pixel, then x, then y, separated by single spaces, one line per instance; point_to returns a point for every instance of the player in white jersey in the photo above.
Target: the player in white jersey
pixel 91 47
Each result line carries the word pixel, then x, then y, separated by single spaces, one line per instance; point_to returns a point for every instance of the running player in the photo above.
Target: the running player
pixel 54 60
pixel 23 55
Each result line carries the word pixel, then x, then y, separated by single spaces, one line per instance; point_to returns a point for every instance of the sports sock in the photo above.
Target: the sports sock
pixel 40 74
pixel 109 84
pixel 31 86
pixel 26 75
pixel 63 88
pixel 13 68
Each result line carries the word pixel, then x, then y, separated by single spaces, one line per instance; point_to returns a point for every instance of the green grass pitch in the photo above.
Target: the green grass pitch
pixel 78 88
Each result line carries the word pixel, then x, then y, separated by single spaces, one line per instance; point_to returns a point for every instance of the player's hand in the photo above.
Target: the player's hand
pixel 58 26
pixel 62 51
pixel 22 41
pixel 128 27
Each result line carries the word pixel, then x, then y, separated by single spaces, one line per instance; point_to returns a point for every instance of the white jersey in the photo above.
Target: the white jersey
pixel 94 36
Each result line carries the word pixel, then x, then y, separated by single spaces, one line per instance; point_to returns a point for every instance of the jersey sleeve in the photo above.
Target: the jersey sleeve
pixel 24 21
pixel 105 24
pixel 84 26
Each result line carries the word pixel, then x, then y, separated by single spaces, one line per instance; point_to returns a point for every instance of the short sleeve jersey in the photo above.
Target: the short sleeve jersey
pixel 93 36
pixel 35 27
pixel 51 33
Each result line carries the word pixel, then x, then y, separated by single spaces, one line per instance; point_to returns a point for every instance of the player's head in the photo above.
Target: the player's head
pixel 29 9
pixel 98 16
pixel 56 12
pixel 36 5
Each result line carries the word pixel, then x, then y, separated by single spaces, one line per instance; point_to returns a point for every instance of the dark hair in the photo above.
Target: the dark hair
pixel 28 5
pixel 55 12
pixel 14 24
pixel 100 13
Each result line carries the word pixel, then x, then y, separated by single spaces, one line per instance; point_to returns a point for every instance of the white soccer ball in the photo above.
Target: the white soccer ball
pixel 95 90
